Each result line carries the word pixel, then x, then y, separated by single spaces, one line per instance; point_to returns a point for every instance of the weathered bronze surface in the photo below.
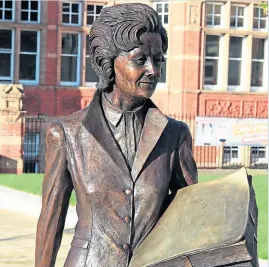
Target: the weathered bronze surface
pixel 205 223
pixel 119 198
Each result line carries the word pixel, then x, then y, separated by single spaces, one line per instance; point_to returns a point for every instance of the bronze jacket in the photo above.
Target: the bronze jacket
pixel 116 207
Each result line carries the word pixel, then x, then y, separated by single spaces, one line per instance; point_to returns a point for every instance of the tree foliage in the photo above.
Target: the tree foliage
pixel 264 6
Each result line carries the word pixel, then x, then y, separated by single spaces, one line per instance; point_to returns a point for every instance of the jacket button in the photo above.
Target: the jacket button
pixel 127 219
pixel 126 246
pixel 128 192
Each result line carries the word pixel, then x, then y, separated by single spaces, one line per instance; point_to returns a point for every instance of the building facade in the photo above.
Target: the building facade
pixel 215 66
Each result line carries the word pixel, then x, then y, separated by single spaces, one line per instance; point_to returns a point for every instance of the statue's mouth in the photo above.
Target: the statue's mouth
pixel 148 82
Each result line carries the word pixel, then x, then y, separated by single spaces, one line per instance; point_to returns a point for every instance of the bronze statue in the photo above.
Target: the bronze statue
pixel 124 159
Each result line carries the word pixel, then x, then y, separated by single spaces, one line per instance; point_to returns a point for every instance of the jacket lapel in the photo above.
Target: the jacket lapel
pixel 96 125
pixel 154 124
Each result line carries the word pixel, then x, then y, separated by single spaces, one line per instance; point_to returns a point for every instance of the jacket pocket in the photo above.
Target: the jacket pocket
pixel 78 253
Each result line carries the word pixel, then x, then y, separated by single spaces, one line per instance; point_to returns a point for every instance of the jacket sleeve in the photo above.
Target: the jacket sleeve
pixel 185 169
pixel 56 192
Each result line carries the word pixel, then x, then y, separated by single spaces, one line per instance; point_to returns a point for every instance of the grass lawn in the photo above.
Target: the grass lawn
pixel 32 183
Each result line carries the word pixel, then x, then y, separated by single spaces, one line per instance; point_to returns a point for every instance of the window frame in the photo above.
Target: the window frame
pixel 163 12
pixel 221 4
pixel 259 20
pixel 29 12
pixel 95 16
pixel 265 68
pixel 70 13
pixel 236 16
pixel 220 65
pixel 240 87
pixel 232 160
pixel 10 79
pixel 257 160
pixel 12 10
pixel 37 54
pixel 77 82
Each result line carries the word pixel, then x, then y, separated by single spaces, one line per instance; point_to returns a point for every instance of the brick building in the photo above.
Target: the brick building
pixel 216 65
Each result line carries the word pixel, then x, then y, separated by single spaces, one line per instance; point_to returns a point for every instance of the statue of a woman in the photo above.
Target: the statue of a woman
pixel 124 159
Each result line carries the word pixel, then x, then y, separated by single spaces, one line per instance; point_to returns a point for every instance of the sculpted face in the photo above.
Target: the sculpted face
pixel 138 71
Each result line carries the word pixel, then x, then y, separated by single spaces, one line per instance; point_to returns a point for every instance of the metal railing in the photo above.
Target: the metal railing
pixel 206 156
pixel 222 156
pixel 32 145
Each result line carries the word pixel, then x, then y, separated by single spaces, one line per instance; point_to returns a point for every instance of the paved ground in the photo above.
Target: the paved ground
pixel 19 212
pixel 17 242
pixel 29 205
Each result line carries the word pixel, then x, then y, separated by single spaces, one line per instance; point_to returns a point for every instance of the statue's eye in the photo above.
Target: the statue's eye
pixel 141 60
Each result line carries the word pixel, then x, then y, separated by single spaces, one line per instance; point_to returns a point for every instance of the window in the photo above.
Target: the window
pixel 258 60
pixel 71 13
pixel 211 59
pixel 259 155
pixel 259 19
pixel 90 76
pixel 70 67
pixel 30 10
pixel 6 55
pixel 93 11
pixel 29 57
pixel 230 155
pixel 163 11
pixel 213 14
pixel 237 16
pixel 235 60
pixel 6 10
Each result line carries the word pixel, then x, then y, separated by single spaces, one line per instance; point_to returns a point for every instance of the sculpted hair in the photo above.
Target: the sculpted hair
pixel 117 29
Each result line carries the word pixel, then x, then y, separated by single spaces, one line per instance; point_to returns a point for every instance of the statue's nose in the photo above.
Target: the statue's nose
pixel 151 68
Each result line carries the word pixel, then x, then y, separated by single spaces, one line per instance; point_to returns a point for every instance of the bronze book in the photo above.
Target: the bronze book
pixel 207 224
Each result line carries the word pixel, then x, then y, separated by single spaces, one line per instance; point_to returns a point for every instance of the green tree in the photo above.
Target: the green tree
pixel 264 6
